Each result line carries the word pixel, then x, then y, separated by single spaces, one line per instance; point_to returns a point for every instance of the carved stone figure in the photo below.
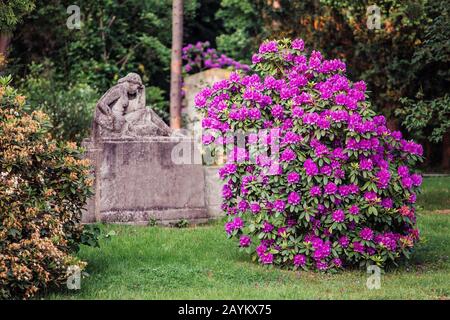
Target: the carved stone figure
pixel 143 170
pixel 121 112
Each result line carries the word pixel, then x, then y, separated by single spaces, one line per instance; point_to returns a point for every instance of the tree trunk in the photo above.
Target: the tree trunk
pixel 392 124
pixel 445 163
pixel 175 67
pixel 5 38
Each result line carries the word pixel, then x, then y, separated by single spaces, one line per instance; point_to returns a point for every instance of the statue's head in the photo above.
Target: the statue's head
pixel 133 82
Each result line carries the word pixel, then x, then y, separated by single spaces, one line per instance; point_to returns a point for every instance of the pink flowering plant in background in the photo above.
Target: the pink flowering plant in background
pixel 199 57
pixel 319 182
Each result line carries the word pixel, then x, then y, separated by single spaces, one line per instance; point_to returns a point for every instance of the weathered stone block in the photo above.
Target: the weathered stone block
pixel 213 191
pixel 137 179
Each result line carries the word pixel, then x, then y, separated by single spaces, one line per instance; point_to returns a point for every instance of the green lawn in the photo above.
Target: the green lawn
pixel 435 193
pixel 200 263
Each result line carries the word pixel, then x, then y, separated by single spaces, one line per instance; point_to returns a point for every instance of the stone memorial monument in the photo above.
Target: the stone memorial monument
pixel 141 173
pixel 192 119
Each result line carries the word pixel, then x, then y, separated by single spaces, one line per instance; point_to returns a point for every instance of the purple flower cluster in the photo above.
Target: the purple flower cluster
pixel 235 224
pixel 338 215
pixel 267 227
pixel 311 168
pixel 293 177
pixel 245 241
pixel 407 180
pixel 388 240
pixel 198 57
pixel 330 188
pixel 299 260
pixel 271 46
pixel 366 234
pixel 265 256
pixel 288 155
pixel 321 164
pixel 315 191
pixel 293 198
pixel 321 251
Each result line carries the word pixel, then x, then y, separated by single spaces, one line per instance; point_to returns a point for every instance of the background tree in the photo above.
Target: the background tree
pixel 176 65
pixel 11 13
pixel 71 68
pixel 407 55
pixel 407 58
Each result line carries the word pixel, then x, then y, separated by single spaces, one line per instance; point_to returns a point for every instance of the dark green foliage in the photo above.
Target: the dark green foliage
pixel 116 37
pixel 91 235
pixel 182 223
pixel 408 57
pixel 12 12
pixel 69 105
pixel 426 119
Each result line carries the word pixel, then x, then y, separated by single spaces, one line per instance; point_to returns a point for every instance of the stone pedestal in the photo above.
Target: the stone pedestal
pixel 141 179
pixel 213 191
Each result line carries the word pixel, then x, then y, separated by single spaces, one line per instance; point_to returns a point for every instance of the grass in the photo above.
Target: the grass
pixel 435 193
pixel 200 263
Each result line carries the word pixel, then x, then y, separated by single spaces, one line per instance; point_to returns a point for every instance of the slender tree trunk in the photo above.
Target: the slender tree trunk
pixel 392 124
pixel 175 67
pixel 5 38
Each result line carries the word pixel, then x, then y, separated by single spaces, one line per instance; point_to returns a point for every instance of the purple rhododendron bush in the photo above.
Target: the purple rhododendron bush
pixel 319 182
pixel 201 57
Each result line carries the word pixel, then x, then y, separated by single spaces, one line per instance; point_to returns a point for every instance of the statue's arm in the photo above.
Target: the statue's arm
pixel 112 95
